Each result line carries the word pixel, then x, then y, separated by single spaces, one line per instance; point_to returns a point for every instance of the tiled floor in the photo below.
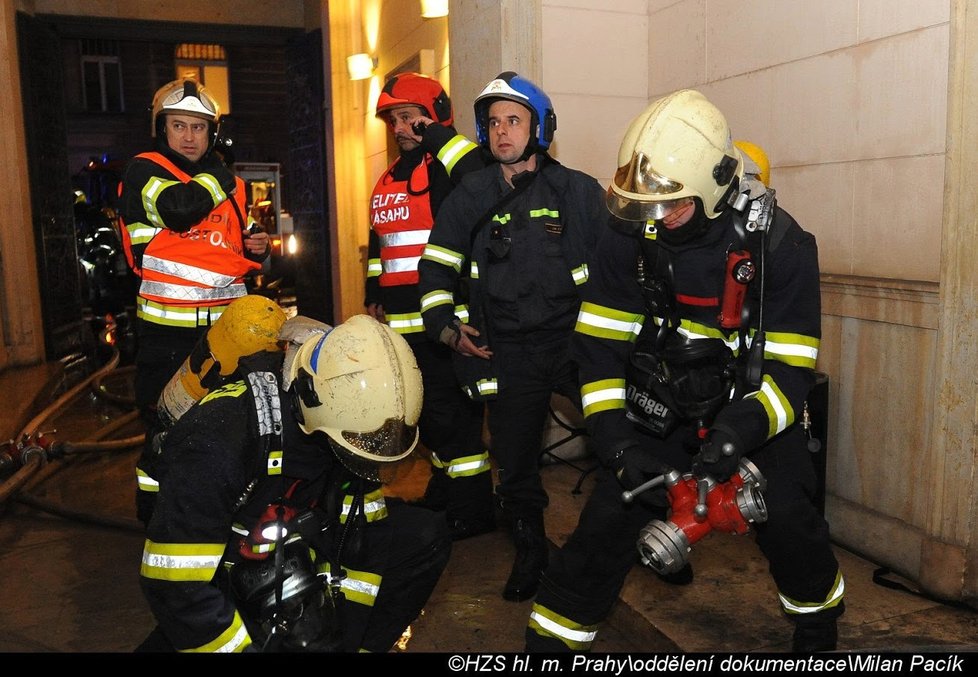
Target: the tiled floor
pixel 69 560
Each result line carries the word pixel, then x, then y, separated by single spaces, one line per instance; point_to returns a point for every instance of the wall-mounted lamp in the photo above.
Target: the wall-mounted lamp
pixel 360 66
pixel 432 9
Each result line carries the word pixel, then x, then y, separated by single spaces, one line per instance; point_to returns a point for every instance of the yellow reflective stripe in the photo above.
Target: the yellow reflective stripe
pixel 233 640
pixel 357 586
pixel 502 218
pixel 438 297
pixel 374 268
pixel 797 350
pixel 453 151
pixel 274 463
pixel 832 600
pixel 779 412
pixel 140 233
pixel 150 192
pixel 146 483
pixel 405 323
pixel 177 316
pixel 486 386
pixel 462 313
pixel 546 623
pixel 474 270
pixel 403 238
pixel 374 507
pixel 580 274
pixel 445 257
pixel 603 395
pixel 213 187
pixel 180 562
pixel 603 322
pixel 545 212
pixel 468 466
pixel 235 389
pixel 695 330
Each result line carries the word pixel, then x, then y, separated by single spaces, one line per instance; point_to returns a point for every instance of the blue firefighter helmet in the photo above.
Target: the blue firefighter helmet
pixel 514 87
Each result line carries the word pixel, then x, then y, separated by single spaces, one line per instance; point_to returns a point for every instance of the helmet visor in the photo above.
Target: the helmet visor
pixel 639 193
pixel 375 455
pixel 390 442
pixel 632 209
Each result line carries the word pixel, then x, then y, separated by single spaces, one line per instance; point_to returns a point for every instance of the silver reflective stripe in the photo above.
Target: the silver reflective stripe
pixel 560 631
pixel 179 292
pixel 405 322
pixel 187 272
pixel 402 265
pixel 178 562
pixel 404 238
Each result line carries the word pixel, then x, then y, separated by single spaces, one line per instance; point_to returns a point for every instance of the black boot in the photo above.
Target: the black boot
pixel 532 554
pixel 471 510
pixel 815 637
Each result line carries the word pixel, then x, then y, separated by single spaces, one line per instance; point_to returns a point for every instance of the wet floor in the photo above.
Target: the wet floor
pixel 70 552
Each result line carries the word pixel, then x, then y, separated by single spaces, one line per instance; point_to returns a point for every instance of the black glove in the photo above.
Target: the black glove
pixel 634 466
pixel 719 455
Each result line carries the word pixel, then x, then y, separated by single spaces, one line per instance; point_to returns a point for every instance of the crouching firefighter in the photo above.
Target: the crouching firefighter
pixel 270 530
pixel 697 343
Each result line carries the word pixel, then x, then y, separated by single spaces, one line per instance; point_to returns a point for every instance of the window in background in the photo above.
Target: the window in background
pixel 208 65
pixel 101 76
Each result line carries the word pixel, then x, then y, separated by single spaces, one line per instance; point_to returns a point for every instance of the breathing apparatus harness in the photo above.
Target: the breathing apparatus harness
pixel 671 378
pixel 281 589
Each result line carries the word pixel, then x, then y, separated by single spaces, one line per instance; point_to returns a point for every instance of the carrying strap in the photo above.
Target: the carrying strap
pixel 518 189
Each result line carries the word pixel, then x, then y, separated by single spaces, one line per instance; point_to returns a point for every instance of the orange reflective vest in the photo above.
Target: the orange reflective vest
pixel 202 267
pixel 400 214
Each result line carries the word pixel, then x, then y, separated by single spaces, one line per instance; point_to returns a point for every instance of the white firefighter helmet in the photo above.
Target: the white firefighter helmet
pixel 677 148
pixel 184 97
pixel 360 385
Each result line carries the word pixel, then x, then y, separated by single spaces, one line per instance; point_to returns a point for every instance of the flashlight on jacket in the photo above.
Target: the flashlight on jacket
pixel 740 271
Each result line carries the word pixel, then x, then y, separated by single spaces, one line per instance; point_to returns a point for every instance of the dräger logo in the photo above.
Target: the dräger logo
pixel 647 404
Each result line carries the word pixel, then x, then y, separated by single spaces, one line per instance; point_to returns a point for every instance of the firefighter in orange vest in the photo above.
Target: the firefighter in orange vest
pixel 187 235
pixel 432 159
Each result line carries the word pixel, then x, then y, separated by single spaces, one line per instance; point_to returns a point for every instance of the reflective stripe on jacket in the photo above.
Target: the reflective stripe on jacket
pixel 203 266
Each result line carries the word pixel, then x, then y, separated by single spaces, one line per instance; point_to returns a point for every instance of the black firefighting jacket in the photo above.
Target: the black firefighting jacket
pixel 614 312
pixel 225 461
pixel 527 289
pixel 451 156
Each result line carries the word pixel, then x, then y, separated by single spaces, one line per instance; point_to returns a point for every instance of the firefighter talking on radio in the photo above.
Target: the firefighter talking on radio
pixel 432 158
pixel 187 235
pixel 697 342
pixel 270 530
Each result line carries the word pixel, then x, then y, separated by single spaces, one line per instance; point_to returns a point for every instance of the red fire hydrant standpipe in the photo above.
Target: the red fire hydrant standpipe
pixel 697 507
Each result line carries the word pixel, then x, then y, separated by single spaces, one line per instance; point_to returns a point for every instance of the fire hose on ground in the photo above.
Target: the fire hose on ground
pixel 34 451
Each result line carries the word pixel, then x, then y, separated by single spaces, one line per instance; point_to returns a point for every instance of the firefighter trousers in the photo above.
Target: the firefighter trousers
pixel 451 429
pixel 528 375
pixel 586 575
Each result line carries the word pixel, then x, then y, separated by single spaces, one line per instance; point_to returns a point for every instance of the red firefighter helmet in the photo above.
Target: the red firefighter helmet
pixel 413 89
